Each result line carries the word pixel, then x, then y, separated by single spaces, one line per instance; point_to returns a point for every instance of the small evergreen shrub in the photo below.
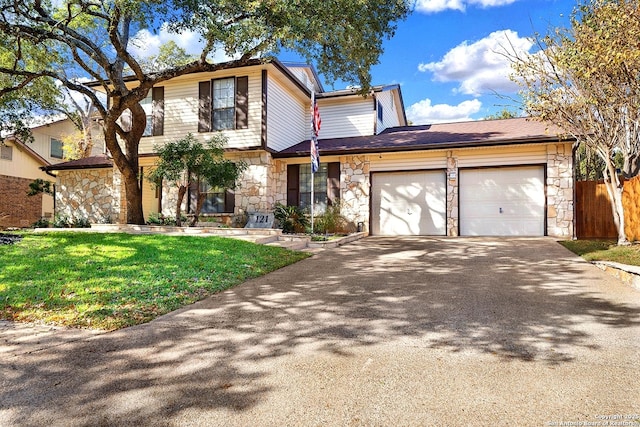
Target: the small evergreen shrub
pixel 292 219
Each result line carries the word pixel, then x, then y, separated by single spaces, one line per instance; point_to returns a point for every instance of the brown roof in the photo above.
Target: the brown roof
pixel 437 136
pixel 93 162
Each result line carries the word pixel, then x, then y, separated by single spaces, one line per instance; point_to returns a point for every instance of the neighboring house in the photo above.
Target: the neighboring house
pixel 501 177
pixel 19 166
pixel 21 163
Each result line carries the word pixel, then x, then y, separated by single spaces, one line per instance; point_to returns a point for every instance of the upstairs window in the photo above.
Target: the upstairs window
pixel 6 152
pixel 153 106
pixel 56 149
pixel 223 104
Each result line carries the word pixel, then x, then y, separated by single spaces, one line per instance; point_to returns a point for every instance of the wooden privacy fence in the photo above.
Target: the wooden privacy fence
pixel 594 218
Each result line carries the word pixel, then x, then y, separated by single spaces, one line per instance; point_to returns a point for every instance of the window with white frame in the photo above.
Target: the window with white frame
pixel 223 109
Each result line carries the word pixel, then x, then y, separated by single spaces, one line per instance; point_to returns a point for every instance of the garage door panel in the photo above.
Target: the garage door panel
pixel 409 203
pixel 502 201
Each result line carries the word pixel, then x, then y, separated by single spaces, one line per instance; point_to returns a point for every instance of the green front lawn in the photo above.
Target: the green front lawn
pixel 604 250
pixel 109 281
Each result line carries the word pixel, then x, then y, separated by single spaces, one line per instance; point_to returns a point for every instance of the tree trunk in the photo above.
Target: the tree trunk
pixel 614 189
pixel 199 203
pixel 127 163
pixel 182 190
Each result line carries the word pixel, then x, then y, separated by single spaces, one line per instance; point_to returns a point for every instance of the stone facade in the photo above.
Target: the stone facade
pixel 16 208
pixel 355 189
pixel 452 195
pixel 560 191
pixel 92 194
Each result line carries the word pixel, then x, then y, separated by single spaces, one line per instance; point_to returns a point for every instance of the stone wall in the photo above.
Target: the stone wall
pixel 92 194
pixel 16 208
pixel 256 188
pixel 355 189
pixel 452 195
pixel 560 190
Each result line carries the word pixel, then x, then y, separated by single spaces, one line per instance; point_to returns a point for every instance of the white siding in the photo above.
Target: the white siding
pixel 345 117
pixel 304 75
pixel 181 111
pixel 389 111
pixel 286 117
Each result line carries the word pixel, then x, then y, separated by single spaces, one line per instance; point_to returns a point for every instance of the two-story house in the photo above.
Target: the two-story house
pixel 21 163
pixel 501 177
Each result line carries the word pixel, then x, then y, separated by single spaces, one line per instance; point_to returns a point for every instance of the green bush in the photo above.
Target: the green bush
pixel 81 223
pixel 61 221
pixel 292 219
pixel 331 221
pixel 41 223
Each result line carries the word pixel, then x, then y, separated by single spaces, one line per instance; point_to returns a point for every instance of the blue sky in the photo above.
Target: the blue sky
pixel 444 55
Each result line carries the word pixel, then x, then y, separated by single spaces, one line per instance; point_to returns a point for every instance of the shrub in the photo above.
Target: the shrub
pixel 331 221
pixel 81 223
pixel 61 221
pixel 41 223
pixel 292 219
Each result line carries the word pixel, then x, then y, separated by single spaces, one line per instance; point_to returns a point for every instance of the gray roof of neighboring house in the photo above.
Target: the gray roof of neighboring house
pixel 437 136
pixel 93 162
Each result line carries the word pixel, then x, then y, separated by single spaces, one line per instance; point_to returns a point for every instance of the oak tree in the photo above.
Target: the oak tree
pixel 343 38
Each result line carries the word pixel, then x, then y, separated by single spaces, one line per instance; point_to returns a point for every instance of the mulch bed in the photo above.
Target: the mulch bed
pixel 9 239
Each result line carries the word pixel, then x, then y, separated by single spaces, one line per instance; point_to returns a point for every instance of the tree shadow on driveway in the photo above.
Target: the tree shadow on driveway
pixel 516 299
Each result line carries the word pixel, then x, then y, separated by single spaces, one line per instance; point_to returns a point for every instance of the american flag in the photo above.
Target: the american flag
pixel 315 127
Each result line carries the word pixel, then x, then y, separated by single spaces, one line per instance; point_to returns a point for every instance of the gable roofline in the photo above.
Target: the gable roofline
pixel 20 145
pixel 93 162
pixel 316 77
pixel 436 137
pixel 230 66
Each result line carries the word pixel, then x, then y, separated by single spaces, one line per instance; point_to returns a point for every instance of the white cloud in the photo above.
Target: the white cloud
pixel 422 113
pixel 145 44
pixel 481 67
pixel 434 6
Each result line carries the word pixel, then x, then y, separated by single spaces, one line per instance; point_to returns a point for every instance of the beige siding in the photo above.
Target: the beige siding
pixel 42 138
pixel 345 117
pixel 286 120
pixel 390 111
pixel 22 165
pixel 502 156
pixel 304 75
pixel 409 161
pixel 181 111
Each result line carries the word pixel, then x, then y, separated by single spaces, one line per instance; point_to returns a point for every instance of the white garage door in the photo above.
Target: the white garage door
pixel 502 201
pixel 409 203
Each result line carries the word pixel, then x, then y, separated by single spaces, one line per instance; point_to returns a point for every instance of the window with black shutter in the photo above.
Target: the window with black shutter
pixel 223 104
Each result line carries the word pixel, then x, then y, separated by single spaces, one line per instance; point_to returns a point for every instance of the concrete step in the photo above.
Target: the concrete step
pixel 294 243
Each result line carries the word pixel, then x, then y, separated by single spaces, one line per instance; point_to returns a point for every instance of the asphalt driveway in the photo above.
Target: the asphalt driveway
pixel 412 331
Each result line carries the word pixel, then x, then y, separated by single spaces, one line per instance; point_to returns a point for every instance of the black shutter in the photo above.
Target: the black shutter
pixel 229 201
pixel 293 185
pixel 242 102
pixel 204 107
pixel 157 110
pixel 333 182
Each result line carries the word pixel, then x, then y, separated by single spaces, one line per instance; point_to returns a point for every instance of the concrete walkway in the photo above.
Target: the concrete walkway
pixel 414 331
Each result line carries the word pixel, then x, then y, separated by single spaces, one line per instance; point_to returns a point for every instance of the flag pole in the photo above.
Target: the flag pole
pixel 313 100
